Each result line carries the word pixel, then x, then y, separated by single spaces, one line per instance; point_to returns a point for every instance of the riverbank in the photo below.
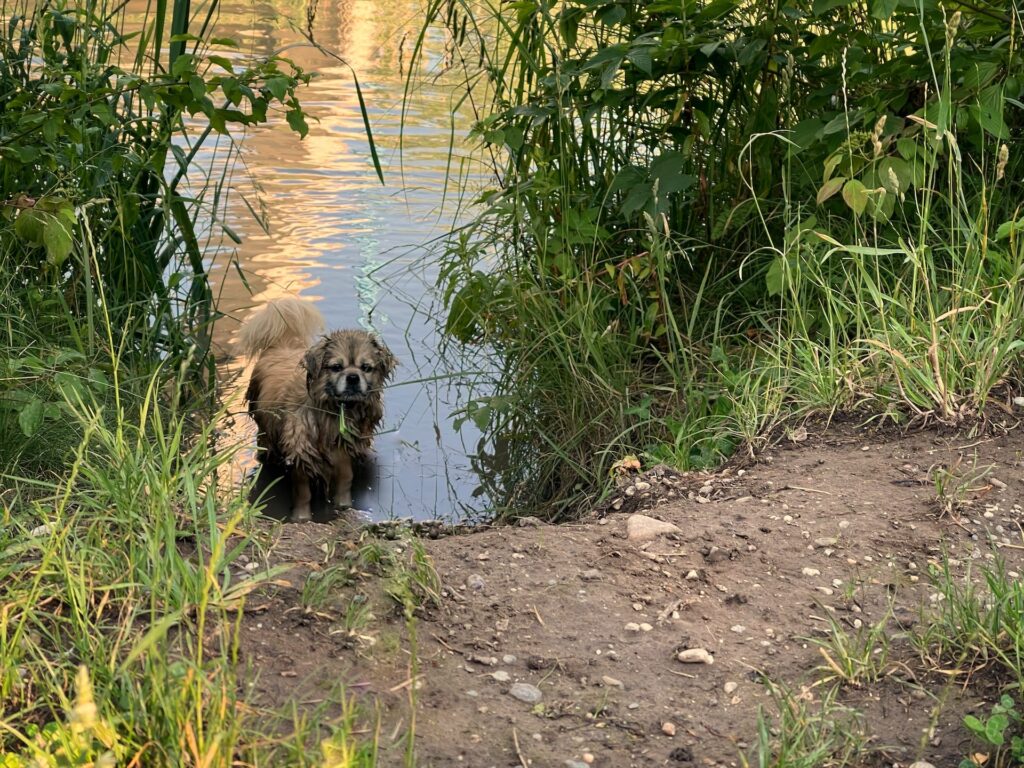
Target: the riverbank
pixel 828 578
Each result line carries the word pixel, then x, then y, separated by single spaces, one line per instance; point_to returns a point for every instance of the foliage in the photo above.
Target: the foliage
pixel 709 214
pixel 94 118
pixel 992 732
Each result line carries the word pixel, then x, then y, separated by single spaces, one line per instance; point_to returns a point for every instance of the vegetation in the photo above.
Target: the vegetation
pixel 713 215
pixel 708 217
pixel 121 596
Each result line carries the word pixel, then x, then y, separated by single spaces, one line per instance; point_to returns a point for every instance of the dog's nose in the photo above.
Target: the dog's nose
pixel 352 379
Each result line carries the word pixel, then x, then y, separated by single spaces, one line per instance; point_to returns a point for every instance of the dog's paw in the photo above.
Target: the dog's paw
pixel 342 501
pixel 301 515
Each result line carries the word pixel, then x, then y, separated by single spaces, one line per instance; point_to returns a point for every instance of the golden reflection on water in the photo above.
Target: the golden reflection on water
pixel 335 231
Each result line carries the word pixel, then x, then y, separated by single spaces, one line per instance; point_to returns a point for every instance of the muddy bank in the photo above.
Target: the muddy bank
pixel 559 645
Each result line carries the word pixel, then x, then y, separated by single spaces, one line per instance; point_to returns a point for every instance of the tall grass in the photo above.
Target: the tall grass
pixel 714 216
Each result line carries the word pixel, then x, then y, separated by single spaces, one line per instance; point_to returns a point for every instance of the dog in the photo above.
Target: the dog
pixel 316 403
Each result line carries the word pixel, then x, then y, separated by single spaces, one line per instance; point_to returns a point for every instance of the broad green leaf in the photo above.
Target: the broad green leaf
pixel 30 418
pixel 994 729
pixel 775 277
pixel 278 86
pixel 1009 227
pixel 883 9
pixel 57 239
pixel 297 121
pixel 29 226
pixel 856 196
pixel 830 187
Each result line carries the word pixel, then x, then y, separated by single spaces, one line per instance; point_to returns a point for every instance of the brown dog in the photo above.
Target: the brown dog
pixel 316 404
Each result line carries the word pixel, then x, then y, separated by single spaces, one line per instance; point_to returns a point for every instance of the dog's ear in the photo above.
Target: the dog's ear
pixel 387 361
pixel 313 362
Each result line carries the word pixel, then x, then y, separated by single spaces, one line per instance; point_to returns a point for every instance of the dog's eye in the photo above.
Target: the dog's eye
pixel 366 367
pixel 335 367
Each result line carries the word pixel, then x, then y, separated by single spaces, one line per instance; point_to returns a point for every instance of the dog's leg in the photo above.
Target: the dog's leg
pixel 301 496
pixel 341 482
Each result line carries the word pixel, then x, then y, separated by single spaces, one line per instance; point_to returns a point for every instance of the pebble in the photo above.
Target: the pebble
pixel 692 576
pixel 739 629
pixel 611 682
pixel 591 574
pixel 42 530
pixel 501 676
pixel 826 541
pixel 922 763
pixel 508 658
pixel 1019 402
pixel 475 582
pixel 695 656
pixel 844 524
pixel 810 572
pixel 644 528
pixel 574 764
pixel 525 692
pixel 588 758
pixel 730 687
pixel 669 729
pixel 632 626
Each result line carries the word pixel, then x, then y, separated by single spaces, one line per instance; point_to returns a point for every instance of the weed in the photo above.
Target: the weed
pixel 972 625
pixel 803 734
pixel 411 579
pixel 321 586
pixel 955 484
pixel 999 732
pixel 856 659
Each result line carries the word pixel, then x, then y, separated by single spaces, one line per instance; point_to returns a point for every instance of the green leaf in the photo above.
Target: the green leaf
pixel 222 62
pixel 182 65
pixel 775 277
pixel 30 418
pixel 29 226
pixel 994 729
pixel 974 725
pixel 1009 227
pixel 829 188
pixel 856 196
pixel 883 9
pixel 297 120
pixel 278 86
pixel 198 86
pixel 57 239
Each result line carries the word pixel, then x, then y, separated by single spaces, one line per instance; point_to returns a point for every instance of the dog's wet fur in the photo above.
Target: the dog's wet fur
pixel 316 403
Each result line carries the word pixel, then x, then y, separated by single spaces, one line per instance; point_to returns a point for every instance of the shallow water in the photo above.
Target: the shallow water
pixel 356 247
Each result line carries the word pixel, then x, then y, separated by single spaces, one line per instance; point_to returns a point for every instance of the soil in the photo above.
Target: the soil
pixel 841 526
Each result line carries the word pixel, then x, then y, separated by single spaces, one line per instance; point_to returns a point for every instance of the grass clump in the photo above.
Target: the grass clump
pixel 807 734
pixel 976 625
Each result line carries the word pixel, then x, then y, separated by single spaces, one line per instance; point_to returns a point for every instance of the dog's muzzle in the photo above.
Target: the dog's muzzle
pixel 348 389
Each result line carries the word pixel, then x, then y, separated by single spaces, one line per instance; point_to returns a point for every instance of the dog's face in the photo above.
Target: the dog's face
pixel 348 367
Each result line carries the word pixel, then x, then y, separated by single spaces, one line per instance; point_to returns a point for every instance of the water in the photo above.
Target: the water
pixel 356 247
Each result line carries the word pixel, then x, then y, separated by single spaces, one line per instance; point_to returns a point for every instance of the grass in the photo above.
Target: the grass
pixel 858 659
pixel 666 268
pixel 804 733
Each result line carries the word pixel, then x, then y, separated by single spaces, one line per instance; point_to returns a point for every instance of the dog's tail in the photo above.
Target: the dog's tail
pixel 281 322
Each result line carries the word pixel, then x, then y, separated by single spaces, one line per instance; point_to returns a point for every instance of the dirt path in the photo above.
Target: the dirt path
pixel 841 529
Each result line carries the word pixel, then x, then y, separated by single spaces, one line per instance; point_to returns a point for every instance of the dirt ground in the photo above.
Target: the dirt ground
pixel 839 526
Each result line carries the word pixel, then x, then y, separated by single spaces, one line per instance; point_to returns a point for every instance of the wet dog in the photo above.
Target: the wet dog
pixel 316 403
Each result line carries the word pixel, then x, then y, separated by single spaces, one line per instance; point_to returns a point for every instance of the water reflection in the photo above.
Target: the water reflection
pixel 340 238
